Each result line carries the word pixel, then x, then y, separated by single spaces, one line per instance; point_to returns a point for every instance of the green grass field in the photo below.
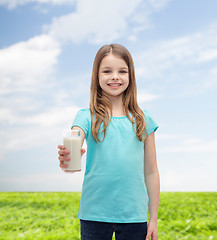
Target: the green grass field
pixel 53 215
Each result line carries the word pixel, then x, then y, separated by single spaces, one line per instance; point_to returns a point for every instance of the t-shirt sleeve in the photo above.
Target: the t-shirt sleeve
pixel 81 120
pixel 151 125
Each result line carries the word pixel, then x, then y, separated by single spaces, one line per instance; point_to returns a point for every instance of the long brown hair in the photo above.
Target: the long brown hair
pixel 99 103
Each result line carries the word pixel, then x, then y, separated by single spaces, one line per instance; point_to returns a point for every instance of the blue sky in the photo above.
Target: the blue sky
pixel 47 48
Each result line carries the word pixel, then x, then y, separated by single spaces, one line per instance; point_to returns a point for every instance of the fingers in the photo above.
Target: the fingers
pixel 62 163
pixel 63 166
pixel 62 160
pixel 61 147
pixel 148 236
pixel 63 156
pixel 152 233
pixel 63 152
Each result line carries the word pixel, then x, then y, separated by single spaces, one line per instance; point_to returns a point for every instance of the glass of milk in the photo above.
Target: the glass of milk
pixel 72 142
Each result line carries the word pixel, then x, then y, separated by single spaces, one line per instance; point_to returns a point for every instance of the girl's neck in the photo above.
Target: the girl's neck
pixel 117 108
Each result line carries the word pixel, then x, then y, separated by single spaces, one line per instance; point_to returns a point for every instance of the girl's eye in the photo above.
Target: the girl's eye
pixel 106 71
pixel 123 71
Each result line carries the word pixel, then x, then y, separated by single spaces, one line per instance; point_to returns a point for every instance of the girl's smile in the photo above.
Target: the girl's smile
pixel 114 85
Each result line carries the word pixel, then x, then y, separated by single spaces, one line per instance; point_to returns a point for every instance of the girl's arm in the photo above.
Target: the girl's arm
pixel 152 179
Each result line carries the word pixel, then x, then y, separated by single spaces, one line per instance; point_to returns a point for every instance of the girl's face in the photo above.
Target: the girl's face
pixel 113 76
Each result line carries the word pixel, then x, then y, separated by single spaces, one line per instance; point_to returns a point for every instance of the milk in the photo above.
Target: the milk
pixel 73 144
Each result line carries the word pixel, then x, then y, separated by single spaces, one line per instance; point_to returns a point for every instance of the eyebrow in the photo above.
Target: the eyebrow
pixel 111 67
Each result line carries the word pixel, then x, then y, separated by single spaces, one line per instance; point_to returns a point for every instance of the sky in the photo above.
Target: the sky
pixel 47 49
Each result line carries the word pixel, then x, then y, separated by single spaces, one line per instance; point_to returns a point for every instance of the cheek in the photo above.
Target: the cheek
pixel 126 80
pixel 102 79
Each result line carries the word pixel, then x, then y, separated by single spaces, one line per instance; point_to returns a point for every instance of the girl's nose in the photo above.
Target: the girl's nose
pixel 115 75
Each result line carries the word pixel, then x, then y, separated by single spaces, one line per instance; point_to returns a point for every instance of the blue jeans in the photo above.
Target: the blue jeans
pixel 93 230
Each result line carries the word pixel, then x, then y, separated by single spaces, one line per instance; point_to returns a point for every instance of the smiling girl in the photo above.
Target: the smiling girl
pixel 121 182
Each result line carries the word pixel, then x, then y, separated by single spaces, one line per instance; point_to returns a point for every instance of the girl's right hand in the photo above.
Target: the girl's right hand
pixel 63 156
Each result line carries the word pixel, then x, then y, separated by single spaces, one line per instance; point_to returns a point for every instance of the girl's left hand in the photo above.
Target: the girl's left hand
pixel 152 231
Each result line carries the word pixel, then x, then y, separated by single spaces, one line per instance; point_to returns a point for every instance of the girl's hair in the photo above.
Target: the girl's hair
pixel 99 103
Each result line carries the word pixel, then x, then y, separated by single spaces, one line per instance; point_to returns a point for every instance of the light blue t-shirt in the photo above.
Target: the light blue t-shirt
pixel 114 187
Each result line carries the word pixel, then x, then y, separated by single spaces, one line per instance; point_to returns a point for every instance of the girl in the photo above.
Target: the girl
pixel 121 181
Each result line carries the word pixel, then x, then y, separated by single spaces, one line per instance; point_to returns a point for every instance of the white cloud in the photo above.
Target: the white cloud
pixel 11 4
pixel 192 141
pixel 103 21
pixel 36 129
pixel 34 110
pixel 172 60
pixel 26 70
pixel 158 4
pixel 98 20
pixel 146 97
pixel 207 55
pixel 192 146
pixel 181 51
pixel 193 181
pixel 213 71
pixel 59 181
pixel 25 65
pixel 170 136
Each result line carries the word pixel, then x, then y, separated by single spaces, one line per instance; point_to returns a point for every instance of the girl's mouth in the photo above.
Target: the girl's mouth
pixel 114 85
